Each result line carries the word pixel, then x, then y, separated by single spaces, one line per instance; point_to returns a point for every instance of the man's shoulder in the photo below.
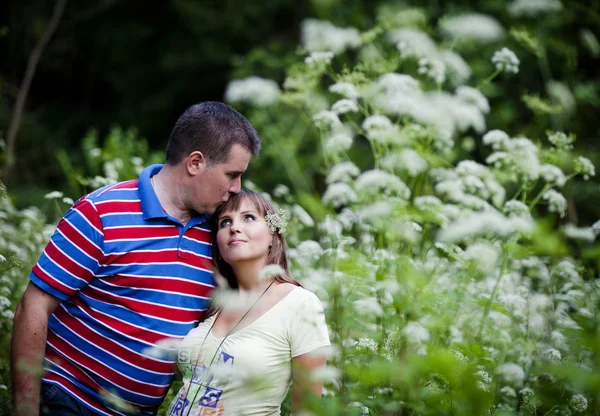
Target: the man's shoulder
pixel 121 191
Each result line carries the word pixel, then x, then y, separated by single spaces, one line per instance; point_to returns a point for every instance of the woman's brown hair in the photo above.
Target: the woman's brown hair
pixel 277 252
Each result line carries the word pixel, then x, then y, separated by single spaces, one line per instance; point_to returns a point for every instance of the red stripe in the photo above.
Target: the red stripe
pixel 59 360
pixel 107 344
pixel 81 395
pixel 183 287
pixel 106 372
pixel 154 310
pixel 198 234
pixel 118 206
pixel 140 232
pixel 131 184
pixel 46 278
pixel 88 210
pixel 140 334
pixel 79 240
pixel 65 261
pixel 163 256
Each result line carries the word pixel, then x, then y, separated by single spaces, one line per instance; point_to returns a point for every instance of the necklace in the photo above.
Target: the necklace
pixel 218 347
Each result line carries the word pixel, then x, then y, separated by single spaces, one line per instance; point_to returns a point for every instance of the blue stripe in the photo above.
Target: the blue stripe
pixel 153 296
pixel 171 329
pixel 60 274
pixel 46 287
pixel 166 270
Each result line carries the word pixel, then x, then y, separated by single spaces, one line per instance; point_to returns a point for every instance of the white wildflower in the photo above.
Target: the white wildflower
pixel 309 251
pixel 270 271
pixel 585 167
pixel 339 194
pixel 553 175
pixel 460 356
pixel 345 89
pixel 458 70
pixel 331 228
pixel 497 139
pixel 578 403
pixel 368 306
pixel 344 106
pixel 320 35
pixel 253 90
pixel 342 172
pixel 484 255
pixel 281 191
pixel 316 58
pixel 484 380
pixel 562 95
pixel 364 410
pixel 366 343
pixel 514 208
pixel 579 233
pixel 596 227
pixel 511 373
pixel 556 202
pixel 560 140
pixel 338 142
pixel 412 42
pixel 473 96
pixel 508 391
pixel 533 8
pixel 553 354
pixel 398 83
pixel 415 333
pixel 433 68
pixel 326 119
pixel 377 122
pixel 68 201
pixel 326 374
pixel 302 215
pixel 2 258
pixel 474 26
pixel 53 195
pixel 427 203
pixel 407 159
pixel 506 61
pixel 483 223
pixel 379 181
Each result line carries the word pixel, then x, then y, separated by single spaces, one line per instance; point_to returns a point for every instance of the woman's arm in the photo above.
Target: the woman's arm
pixel 303 388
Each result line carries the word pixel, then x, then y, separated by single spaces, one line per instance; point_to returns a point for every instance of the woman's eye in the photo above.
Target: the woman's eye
pixel 224 223
pixel 250 217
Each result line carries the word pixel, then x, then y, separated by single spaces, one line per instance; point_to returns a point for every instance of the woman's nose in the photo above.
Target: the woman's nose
pixel 233 228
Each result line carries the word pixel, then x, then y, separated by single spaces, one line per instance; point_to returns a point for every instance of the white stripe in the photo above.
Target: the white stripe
pixel 72 259
pixel 197 254
pixel 179 308
pixel 142 276
pixel 53 382
pixel 87 220
pixel 110 328
pixel 166 263
pixel 108 352
pixel 55 279
pixel 197 241
pixel 75 245
pixel 117 227
pixel 105 366
pixel 138 239
pixel 112 188
pixel 116 200
pixel 141 314
pixel 153 290
pixel 120 213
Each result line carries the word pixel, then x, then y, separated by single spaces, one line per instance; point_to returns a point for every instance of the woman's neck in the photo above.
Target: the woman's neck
pixel 247 273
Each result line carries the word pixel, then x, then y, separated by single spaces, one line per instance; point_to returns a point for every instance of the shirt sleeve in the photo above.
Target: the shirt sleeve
pixel 308 329
pixel 73 254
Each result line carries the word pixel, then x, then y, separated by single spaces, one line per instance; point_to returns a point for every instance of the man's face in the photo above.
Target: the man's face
pixel 215 184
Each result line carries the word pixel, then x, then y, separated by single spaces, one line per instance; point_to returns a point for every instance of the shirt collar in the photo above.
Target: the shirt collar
pixel 151 207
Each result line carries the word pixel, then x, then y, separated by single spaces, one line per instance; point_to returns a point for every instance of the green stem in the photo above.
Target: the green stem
pixel 488 79
pixel 488 306
pixel 538 196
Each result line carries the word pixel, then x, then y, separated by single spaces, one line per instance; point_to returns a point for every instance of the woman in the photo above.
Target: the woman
pixel 242 358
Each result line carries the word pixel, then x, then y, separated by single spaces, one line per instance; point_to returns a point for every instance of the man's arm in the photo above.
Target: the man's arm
pixel 27 348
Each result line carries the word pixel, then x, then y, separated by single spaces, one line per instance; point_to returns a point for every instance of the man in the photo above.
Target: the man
pixel 128 266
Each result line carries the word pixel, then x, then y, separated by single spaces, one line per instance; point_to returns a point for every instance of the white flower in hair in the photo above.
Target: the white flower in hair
pixel 276 221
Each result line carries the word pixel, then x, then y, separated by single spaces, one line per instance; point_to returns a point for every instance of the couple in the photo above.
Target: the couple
pixel 131 265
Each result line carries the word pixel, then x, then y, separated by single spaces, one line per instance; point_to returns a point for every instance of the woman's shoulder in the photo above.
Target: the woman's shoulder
pixel 296 295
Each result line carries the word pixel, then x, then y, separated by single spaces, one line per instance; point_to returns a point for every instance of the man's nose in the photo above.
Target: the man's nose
pixel 236 186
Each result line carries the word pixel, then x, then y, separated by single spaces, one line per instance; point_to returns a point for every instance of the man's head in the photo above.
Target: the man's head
pixel 211 145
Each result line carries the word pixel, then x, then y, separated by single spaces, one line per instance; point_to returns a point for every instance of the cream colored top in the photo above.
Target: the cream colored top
pixel 251 371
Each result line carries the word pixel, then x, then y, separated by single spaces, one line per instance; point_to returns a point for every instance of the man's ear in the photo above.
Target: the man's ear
pixel 196 163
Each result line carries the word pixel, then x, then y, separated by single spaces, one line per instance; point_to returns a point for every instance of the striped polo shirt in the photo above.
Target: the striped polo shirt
pixel 129 276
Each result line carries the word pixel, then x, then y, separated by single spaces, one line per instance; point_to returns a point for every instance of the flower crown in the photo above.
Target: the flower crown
pixel 276 221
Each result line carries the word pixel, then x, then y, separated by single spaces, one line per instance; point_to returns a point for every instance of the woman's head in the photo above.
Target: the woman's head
pixel 241 235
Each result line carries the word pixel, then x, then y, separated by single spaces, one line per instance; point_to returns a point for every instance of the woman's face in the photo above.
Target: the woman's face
pixel 243 235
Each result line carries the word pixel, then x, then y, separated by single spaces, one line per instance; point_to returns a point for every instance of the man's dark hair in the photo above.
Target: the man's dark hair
pixel 211 128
